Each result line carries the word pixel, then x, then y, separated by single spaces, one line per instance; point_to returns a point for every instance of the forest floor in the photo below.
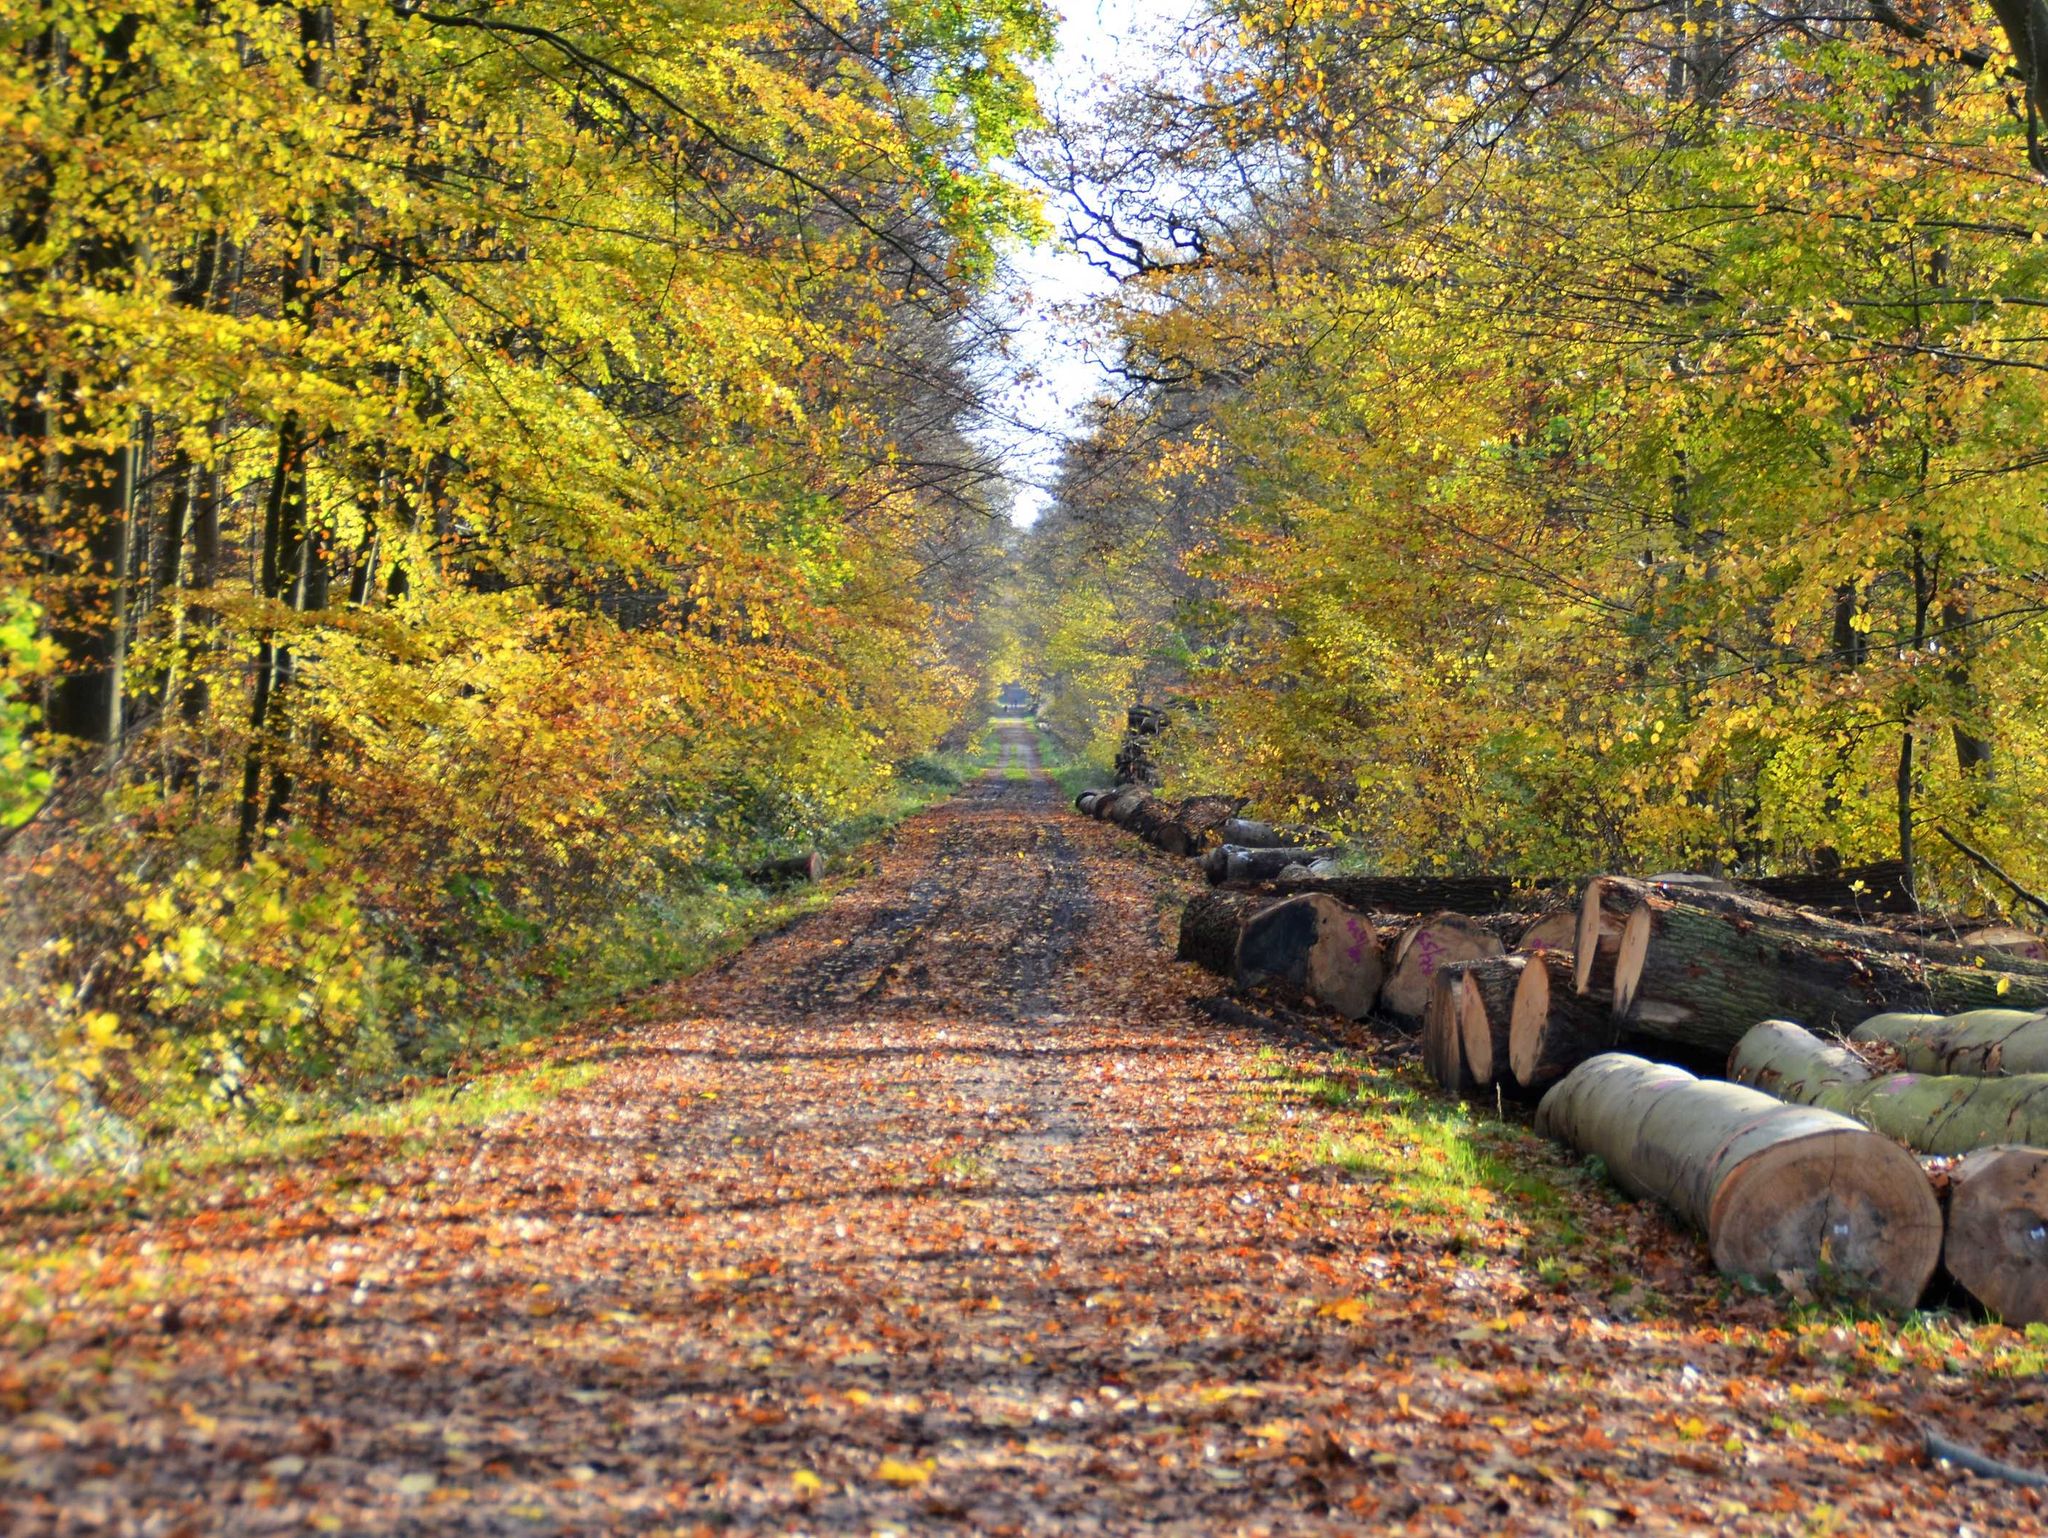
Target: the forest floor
pixel 949 1207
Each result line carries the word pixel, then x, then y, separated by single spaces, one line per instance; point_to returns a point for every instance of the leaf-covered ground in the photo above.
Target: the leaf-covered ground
pixel 948 1208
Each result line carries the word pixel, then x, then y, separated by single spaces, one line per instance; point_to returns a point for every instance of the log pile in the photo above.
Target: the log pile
pixel 1797 1168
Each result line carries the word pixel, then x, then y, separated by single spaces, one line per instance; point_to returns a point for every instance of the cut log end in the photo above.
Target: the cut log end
pixel 1485 1004
pixel 1997 1245
pixel 1551 1028
pixel 1837 1205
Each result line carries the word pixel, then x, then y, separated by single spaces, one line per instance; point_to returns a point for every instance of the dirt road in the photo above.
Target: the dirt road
pixel 947 1210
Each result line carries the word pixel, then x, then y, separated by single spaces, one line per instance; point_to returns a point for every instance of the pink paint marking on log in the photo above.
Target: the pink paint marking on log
pixel 1431 950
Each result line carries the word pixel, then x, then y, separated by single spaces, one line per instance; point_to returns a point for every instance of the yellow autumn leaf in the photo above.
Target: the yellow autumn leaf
pixel 895 1471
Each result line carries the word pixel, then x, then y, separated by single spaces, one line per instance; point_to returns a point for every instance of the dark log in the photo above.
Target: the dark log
pixel 1422 894
pixel 1248 834
pixel 1486 1007
pixel 1554 1027
pixel 1210 925
pixel 1085 802
pixel 1885 888
pixel 1316 947
pixel 794 870
pixel 1229 863
pixel 1703 968
pixel 1200 819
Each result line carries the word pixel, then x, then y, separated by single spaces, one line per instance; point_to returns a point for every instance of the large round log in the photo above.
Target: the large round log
pixel 1700 970
pixel 1421 949
pixel 1983 1043
pixel 1555 930
pixel 1486 1010
pixel 1315 946
pixel 1780 1191
pixel 1085 802
pixel 1229 863
pixel 1210 925
pixel 1443 1049
pixel 1935 1113
pixel 1997 1244
pixel 1553 1027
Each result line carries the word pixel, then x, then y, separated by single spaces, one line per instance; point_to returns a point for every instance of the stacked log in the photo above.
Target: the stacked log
pixel 1700 967
pixel 1604 909
pixel 1236 865
pixel 1979 1042
pixel 1555 930
pixel 1485 1005
pixel 1423 948
pixel 1443 1050
pixel 1934 1113
pixel 1315 947
pixel 1553 1027
pixel 1247 833
pixel 1997 1196
pixel 1780 1191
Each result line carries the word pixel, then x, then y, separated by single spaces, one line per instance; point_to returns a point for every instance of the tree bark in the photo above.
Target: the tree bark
pixel 1313 946
pixel 1979 1043
pixel 1935 1113
pixel 1248 834
pixel 794 870
pixel 1210 925
pixel 1780 1191
pixel 1704 975
pixel 1554 1027
pixel 1422 950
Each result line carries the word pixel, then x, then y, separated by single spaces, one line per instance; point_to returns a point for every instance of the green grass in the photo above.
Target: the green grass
pixel 1440 1166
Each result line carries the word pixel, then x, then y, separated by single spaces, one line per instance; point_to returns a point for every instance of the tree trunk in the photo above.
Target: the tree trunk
pixel 1085 802
pixel 1997 1244
pixel 1704 975
pixel 2010 942
pixel 1780 1191
pixel 1118 808
pixel 1486 1010
pixel 1978 1044
pixel 1210 925
pixel 1203 817
pixel 1423 949
pixel 1935 1113
pixel 1554 1027
pixel 1314 946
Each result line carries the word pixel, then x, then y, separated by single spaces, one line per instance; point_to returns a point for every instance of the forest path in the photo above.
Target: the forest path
pixel 941 1210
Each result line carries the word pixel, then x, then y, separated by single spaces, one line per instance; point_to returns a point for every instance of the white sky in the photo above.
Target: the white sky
pixel 1057 368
